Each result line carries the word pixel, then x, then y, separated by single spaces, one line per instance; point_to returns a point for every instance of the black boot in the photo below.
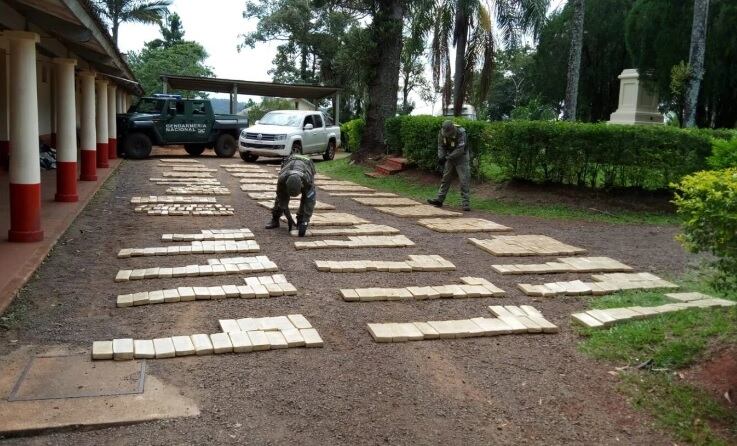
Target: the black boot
pixel 274 223
pixel 435 202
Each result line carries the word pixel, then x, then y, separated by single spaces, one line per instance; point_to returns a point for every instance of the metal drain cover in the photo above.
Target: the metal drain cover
pixel 77 376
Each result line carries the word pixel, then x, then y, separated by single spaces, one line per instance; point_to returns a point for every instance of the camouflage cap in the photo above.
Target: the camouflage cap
pixel 448 129
pixel 294 185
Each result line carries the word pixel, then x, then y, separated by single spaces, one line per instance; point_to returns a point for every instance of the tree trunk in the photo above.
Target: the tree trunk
pixel 116 25
pixel 303 64
pixel 574 60
pixel 696 61
pixel 461 41
pixel 386 32
pixel 405 90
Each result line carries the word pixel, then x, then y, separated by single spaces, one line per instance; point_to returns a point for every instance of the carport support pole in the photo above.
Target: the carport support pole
pixel 101 122
pixel 25 171
pixel 87 143
pixel 66 132
pixel 164 85
pixel 112 141
pixel 234 100
pixel 336 107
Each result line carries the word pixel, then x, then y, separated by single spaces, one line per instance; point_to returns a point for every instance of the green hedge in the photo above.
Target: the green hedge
pixel 351 133
pixel 593 155
pixel 724 153
pixel 416 137
pixel 708 203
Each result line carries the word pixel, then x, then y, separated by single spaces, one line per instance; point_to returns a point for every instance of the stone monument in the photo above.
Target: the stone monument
pixel 637 105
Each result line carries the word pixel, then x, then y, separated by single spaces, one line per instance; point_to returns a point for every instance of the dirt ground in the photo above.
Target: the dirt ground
pixel 519 389
pixel 606 202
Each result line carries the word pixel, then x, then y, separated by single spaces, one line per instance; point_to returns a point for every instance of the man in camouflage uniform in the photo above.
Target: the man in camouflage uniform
pixel 297 176
pixel 454 154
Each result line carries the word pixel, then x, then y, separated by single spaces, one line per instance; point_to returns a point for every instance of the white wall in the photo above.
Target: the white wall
pixel 44 75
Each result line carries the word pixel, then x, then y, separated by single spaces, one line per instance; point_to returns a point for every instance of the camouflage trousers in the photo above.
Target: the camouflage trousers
pixel 461 168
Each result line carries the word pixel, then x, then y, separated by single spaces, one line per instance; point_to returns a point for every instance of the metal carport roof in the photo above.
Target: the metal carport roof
pixel 219 85
pixel 236 86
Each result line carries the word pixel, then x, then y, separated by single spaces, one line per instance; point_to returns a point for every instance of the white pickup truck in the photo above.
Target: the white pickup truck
pixel 283 132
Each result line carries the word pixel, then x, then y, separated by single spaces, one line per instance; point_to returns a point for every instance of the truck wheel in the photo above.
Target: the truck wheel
pixel 137 146
pixel 297 148
pixel 225 146
pixel 249 157
pixel 194 149
pixel 330 152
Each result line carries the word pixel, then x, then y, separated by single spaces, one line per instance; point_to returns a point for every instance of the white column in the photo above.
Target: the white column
pixel 66 131
pixel 4 136
pixel 87 131
pixel 112 145
pixel 101 122
pixel 25 172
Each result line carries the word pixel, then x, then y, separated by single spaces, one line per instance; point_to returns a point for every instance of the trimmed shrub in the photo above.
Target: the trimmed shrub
pixel 351 133
pixel 417 138
pixel 598 155
pixel 593 155
pixel 392 133
pixel 724 153
pixel 708 203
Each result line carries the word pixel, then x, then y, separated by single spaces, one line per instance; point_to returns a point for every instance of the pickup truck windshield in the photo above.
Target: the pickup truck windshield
pixel 283 119
pixel 150 106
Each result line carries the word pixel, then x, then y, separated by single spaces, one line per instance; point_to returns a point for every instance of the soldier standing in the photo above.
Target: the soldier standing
pixel 454 154
pixel 297 176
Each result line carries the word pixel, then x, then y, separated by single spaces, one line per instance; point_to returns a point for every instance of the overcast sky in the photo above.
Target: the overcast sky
pixel 217 29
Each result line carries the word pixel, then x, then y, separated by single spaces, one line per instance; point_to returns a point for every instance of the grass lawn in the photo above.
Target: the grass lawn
pixel 341 169
pixel 672 342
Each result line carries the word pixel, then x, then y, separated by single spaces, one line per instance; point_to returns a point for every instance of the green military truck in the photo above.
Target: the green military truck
pixel 166 120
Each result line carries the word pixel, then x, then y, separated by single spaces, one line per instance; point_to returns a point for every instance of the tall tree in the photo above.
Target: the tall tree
pixel 318 44
pixel 170 55
pixel 603 57
pixel 171 31
pixel 574 60
pixel 658 39
pixel 470 24
pixel 138 11
pixel 412 68
pixel 696 60
pixel 386 35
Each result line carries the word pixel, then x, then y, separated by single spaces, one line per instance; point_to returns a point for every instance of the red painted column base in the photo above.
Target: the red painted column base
pixel 89 165
pixel 112 148
pixel 4 154
pixel 25 213
pixel 66 181
pixel 102 155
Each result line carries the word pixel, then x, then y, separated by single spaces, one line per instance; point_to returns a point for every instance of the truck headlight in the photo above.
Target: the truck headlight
pixel 280 137
pixel 243 133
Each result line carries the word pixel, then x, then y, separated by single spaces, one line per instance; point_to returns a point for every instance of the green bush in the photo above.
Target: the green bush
pixel 593 155
pixel 351 131
pixel 392 133
pixel 716 133
pixel 416 137
pixel 598 155
pixel 708 203
pixel 724 153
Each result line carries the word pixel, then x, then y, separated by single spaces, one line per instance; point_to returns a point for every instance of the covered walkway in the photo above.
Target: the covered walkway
pixel 62 83
pixel 18 261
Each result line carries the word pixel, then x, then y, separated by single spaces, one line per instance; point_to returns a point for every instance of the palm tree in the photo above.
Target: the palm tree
pixel 140 11
pixel 471 25
pixel 574 60
pixel 696 61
